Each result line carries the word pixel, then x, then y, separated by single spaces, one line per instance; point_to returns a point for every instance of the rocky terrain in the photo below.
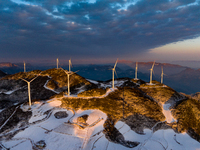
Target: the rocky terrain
pixel 133 115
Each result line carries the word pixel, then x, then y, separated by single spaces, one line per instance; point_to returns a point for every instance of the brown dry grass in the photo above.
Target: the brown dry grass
pixel 188 115
pixel 159 92
pixel 112 105
pixel 92 92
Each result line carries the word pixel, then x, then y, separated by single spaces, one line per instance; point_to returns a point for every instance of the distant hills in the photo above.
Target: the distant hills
pixel 7 64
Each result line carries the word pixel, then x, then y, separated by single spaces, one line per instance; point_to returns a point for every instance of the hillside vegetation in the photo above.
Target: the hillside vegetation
pixel 134 102
pixel 188 115
pixel 59 79
pixel 92 93
pixel 161 93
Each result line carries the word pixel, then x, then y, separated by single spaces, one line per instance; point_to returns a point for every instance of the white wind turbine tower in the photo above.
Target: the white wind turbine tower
pixel 24 66
pixel 151 71
pixel 113 74
pixel 162 74
pixel 29 89
pixel 70 65
pixel 57 61
pixel 68 74
pixel 136 68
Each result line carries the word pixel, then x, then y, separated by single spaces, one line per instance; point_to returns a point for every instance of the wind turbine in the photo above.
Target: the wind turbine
pixel 57 61
pixel 151 71
pixel 68 74
pixel 162 74
pixel 29 89
pixel 113 74
pixel 70 65
pixel 24 67
pixel 136 68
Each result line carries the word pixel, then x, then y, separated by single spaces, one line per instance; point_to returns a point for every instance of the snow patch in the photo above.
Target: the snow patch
pixel 167 113
pixel 92 81
pixel 45 86
pixel 10 92
pixel 63 133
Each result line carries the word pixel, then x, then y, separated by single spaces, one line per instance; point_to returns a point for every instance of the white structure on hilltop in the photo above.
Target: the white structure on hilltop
pixel 24 67
pixel 113 74
pixel 29 89
pixel 136 68
pixel 70 65
pixel 68 74
pixel 151 71
pixel 162 74
pixel 57 62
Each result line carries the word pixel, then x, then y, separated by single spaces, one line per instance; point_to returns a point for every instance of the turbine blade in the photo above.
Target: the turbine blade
pixel 64 70
pixel 35 77
pixel 74 72
pixel 153 65
pixel 116 73
pixel 153 73
pixel 116 64
pixel 24 80
pixel 70 62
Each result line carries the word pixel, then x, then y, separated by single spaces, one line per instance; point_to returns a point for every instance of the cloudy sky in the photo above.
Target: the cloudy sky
pixel 99 30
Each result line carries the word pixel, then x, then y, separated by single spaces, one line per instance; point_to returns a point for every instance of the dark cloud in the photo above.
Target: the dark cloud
pixel 52 28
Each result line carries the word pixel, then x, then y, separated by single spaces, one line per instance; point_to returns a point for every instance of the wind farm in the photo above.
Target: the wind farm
pixel 102 102
pixel 134 83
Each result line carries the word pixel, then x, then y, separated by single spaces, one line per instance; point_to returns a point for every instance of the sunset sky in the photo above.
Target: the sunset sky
pixel 96 31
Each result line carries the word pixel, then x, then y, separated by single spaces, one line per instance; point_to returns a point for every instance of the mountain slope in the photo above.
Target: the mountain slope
pixel 133 115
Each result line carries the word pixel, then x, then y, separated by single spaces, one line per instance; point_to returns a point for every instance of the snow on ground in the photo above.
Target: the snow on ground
pixel 156 86
pixel 10 92
pixel 159 140
pixel 167 113
pixel 58 134
pixel 45 86
pixel 92 81
pixel 81 89
pixel 131 135
pixel 102 96
pixel 66 134
pixel 39 109
pixel 118 82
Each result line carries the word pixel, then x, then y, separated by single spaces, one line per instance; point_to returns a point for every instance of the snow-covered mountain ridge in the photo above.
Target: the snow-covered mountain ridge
pixel 134 115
